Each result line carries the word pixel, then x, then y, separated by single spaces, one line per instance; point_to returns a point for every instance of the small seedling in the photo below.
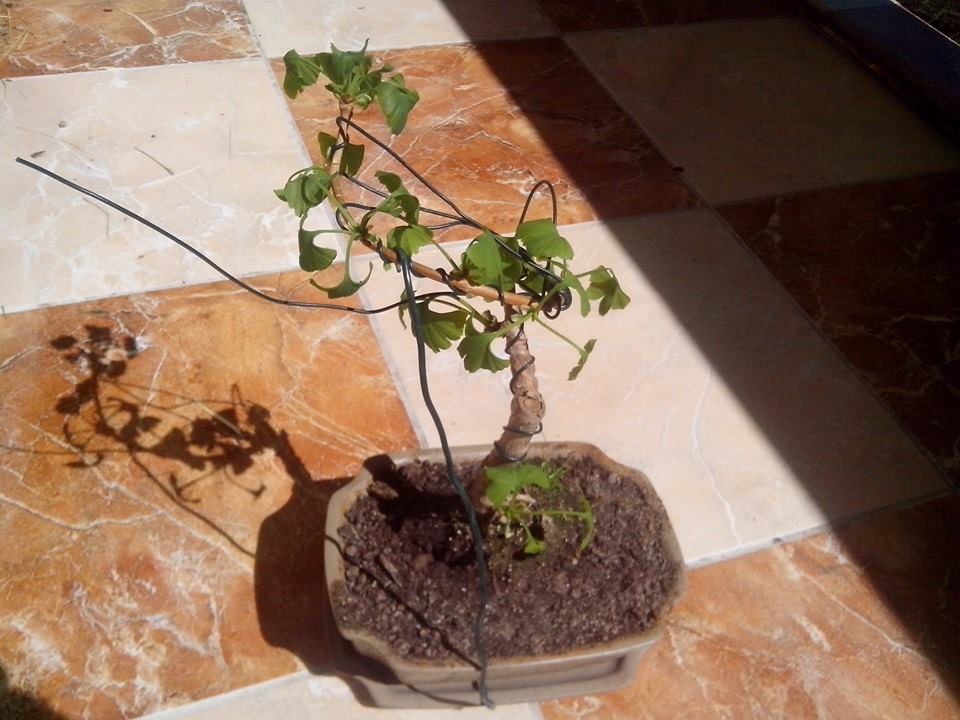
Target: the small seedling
pixel 513 493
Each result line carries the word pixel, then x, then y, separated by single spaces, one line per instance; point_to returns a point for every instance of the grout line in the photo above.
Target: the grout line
pixel 133 68
pixel 829 526
pixel 713 209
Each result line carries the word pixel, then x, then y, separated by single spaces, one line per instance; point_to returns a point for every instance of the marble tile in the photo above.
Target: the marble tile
pixel 165 463
pixel 495 118
pixel 197 148
pixel 574 16
pixel 57 36
pixel 752 109
pixel 310 697
pixel 285 24
pixel 856 624
pixel 877 269
pixel 712 382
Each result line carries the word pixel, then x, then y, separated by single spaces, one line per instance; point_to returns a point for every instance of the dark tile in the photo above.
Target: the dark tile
pixel 877 267
pixel 576 15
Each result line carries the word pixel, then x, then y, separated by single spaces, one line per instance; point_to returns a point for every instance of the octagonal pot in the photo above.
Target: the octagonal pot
pixel 384 679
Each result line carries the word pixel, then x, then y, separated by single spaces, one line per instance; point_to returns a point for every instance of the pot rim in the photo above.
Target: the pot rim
pixel 372 646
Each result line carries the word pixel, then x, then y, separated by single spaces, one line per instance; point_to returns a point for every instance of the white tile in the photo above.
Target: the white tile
pixel 196 148
pixel 310 26
pixel 712 382
pixel 317 697
pixel 762 107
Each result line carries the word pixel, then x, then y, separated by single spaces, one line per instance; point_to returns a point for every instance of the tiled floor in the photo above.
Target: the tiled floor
pixel 785 226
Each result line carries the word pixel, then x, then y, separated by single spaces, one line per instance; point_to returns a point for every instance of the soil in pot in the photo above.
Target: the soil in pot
pixel 411 572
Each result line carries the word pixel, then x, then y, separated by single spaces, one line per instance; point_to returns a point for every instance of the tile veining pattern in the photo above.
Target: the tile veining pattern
pixel 58 36
pixel 166 457
pixel 197 148
pixel 805 631
pixel 147 442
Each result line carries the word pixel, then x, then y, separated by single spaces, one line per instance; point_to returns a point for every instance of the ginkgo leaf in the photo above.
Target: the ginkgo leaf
pixel 300 73
pixel 313 258
pixel 605 288
pixel 476 351
pixel 441 329
pixel 396 101
pixel 508 480
pixel 305 190
pixel 542 240
pixel 408 238
pixel 584 355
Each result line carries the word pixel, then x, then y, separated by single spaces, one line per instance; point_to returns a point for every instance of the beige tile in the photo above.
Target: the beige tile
pixel 712 382
pixel 197 148
pixel 756 108
pixel 308 697
pixel 285 24
pixel 165 463
pixel 858 624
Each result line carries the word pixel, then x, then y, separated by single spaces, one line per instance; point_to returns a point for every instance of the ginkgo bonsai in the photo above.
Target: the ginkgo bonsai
pixel 499 284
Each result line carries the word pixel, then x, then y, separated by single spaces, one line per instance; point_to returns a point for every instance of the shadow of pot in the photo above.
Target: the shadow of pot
pixel 382 678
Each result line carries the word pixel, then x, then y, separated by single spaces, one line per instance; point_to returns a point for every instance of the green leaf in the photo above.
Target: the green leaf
pixel 481 261
pixel 408 238
pixel 485 262
pixel 399 203
pixel 306 190
pixel 440 330
pixel 573 282
pixel 476 352
pixel 347 286
pixel 396 101
pixel 507 480
pixel 351 158
pixel 605 288
pixel 542 240
pixel 326 141
pixel 343 67
pixel 589 525
pixel 313 258
pixel 584 354
pixel 300 72
pixel 534 546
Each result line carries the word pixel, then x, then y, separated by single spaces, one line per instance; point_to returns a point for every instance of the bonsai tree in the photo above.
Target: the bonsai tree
pixel 499 284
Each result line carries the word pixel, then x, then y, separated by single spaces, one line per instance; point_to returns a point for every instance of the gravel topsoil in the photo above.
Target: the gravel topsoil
pixel 411 572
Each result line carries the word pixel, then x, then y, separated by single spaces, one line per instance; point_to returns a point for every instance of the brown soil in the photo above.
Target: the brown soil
pixel 411 575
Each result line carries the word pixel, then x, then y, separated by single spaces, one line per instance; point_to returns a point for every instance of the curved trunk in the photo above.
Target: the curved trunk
pixel 526 412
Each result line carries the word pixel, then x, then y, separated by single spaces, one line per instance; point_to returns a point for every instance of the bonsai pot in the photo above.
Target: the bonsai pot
pixel 389 680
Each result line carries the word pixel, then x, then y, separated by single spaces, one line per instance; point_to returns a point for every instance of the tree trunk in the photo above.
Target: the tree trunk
pixel 526 412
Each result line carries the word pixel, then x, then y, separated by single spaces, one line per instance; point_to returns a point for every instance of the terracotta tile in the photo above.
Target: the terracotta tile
pixel 711 381
pixel 198 148
pixel 878 269
pixel 285 24
pixel 495 118
pixel 55 36
pixel 165 461
pixel 860 623
pixel 574 16
pixel 755 108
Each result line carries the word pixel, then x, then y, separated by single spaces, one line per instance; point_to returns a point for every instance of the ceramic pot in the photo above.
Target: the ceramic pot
pixel 388 680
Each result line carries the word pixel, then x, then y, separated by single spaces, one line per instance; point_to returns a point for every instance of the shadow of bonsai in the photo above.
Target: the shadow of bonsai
pixel 18 705
pixel 208 440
